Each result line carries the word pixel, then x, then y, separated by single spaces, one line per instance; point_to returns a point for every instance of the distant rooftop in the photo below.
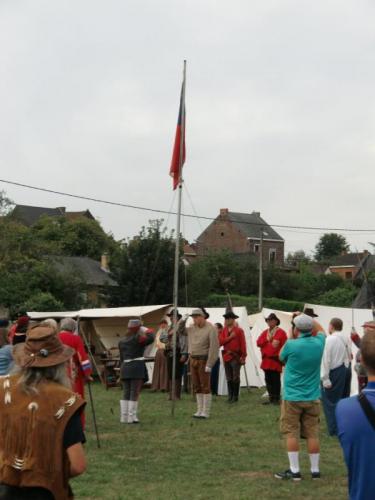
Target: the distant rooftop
pixel 251 225
pixel 29 215
pixel 89 270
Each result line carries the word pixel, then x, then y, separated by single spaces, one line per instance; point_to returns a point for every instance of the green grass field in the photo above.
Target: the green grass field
pixel 233 455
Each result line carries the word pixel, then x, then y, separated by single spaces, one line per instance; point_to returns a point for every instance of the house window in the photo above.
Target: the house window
pixel 221 234
pixel 348 275
pixel 256 248
pixel 272 254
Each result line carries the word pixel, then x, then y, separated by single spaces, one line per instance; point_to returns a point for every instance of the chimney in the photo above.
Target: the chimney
pixel 256 213
pixel 224 212
pixel 104 263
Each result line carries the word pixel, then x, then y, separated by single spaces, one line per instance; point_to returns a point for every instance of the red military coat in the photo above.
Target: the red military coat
pixel 234 348
pixel 270 354
pixel 79 366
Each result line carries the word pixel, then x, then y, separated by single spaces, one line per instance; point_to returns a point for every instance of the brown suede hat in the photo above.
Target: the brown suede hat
pixel 42 349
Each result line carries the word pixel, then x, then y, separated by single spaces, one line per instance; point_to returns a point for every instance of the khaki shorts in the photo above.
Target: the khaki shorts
pixel 300 419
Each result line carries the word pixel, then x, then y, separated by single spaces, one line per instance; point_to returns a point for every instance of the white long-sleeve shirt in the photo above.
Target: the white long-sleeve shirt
pixel 336 353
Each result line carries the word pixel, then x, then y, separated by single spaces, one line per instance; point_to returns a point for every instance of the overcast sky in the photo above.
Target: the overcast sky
pixel 280 109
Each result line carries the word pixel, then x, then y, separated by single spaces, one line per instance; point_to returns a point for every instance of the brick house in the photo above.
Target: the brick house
pixel 241 234
pixel 347 265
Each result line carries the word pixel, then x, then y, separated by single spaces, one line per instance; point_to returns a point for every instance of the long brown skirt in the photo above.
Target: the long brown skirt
pixel 160 375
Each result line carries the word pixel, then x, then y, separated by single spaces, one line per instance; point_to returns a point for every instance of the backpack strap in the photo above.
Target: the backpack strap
pixel 367 408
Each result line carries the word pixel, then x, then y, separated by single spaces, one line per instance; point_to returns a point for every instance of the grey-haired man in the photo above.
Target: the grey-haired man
pixel 203 348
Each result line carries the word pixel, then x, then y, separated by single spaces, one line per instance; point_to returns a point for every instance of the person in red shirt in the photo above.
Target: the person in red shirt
pixel 270 343
pixel 232 338
pixel 79 367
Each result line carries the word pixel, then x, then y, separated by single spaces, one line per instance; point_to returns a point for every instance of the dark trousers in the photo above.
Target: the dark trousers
pixel 178 378
pixel 215 377
pixel 273 384
pixel 348 382
pixel 179 366
pixel 132 388
pixel 232 370
pixel 330 397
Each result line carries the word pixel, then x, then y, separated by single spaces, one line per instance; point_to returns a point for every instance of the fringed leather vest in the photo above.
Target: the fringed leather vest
pixel 31 435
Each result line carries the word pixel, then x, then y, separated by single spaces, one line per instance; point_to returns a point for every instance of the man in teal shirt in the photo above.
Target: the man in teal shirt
pixel 300 408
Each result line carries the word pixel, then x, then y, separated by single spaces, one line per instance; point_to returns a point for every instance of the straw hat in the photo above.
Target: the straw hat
pixel 41 349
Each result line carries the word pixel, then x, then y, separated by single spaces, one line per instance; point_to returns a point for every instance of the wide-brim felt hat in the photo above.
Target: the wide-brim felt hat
pixel 273 316
pixel 42 349
pixel 206 314
pixel 309 311
pixel 230 315
pixel 171 314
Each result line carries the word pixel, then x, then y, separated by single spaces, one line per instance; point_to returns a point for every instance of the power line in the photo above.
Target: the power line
pixel 166 212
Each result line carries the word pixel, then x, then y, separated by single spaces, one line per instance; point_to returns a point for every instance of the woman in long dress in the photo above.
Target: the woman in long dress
pixel 160 374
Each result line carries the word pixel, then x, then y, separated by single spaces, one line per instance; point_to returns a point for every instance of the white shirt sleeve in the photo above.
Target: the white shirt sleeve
pixel 326 363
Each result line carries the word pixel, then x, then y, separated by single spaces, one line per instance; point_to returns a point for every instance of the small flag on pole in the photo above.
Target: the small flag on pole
pixel 178 156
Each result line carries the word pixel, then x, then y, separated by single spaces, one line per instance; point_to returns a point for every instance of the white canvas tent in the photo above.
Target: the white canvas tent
pixel 104 327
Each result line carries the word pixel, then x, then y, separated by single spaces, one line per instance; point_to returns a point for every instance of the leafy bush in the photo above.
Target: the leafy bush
pixel 43 301
pixel 339 297
pixel 251 303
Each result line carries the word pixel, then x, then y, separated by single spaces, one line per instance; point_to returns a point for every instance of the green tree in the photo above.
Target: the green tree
pixel 145 268
pixel 5 204
pixel 77 237
pixel 297 258
pixel 330 245
pixel 43 301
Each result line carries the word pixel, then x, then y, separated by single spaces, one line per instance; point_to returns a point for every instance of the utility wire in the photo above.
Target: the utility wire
pixel 201 217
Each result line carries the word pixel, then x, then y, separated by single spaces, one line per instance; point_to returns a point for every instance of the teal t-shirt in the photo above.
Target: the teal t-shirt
pixel 302 357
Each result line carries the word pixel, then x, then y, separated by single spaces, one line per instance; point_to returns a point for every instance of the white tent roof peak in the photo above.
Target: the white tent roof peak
pixel 108 312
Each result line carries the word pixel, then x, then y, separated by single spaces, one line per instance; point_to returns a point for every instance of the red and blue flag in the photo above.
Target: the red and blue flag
pixel 179 152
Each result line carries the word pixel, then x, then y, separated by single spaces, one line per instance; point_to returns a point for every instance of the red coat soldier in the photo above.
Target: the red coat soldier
pixel 270 342
pixel 232 338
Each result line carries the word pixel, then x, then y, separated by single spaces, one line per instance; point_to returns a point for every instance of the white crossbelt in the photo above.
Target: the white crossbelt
pixel 135 359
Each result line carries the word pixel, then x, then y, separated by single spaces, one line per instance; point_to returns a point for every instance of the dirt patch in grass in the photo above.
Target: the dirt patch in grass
pixel 254 475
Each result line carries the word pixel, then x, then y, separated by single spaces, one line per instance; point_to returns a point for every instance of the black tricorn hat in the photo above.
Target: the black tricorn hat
pixel 309 311
pixel 229 314
pixel 171 314
pixel 273 316
pixel 205 313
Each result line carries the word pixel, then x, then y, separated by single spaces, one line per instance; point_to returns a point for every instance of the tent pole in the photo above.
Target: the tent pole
pixel 93 414
pixel 260 291
pixel 89 349
pixel 88 383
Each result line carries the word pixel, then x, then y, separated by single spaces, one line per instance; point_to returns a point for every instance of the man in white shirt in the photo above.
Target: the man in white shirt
pixel 336 359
